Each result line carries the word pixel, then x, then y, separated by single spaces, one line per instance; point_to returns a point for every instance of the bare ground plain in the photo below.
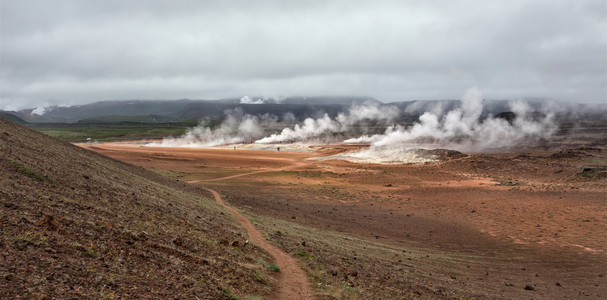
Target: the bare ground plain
pixel 529 223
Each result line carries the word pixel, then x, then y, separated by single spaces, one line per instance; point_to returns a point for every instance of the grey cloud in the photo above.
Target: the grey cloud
pixel 67 52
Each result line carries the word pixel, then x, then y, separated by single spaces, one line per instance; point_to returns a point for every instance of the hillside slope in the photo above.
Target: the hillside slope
pixel 12 118
pixel 78 224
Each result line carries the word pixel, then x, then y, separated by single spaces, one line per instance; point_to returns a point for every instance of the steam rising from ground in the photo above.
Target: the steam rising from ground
pixel 236 128
pixel 247 100
pixel 239 127
pixel 462 128
pixel 314 128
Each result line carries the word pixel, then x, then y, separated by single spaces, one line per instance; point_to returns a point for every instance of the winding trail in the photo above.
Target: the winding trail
pixel 293 282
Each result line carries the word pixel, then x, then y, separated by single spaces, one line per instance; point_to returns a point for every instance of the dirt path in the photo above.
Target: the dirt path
pixel 290 167
pixel 230 177
pixel 293 282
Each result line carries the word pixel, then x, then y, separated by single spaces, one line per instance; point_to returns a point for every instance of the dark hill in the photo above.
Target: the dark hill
pixel 76 224
pixel 215 110
pixel 60 114
pixel 330 100
pixel 12 118
pixel 305 100
pixel 184 109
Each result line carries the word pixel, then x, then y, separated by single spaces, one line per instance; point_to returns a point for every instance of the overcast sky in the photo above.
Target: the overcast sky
pixel 74 52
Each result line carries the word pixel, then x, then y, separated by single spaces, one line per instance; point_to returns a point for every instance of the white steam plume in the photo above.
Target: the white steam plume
pixel 247 100
pixel 462 129
pixel 236 128
pixel 40 110
pixel 314 128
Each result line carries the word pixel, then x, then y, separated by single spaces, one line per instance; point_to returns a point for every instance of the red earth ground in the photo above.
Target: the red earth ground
pixel 535 221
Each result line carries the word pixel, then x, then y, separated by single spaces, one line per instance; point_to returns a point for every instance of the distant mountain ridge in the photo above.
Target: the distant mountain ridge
pixel 299 108
pixel 183 109
pixel 72 114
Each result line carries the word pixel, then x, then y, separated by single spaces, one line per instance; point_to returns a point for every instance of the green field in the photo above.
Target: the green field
pixel 76 133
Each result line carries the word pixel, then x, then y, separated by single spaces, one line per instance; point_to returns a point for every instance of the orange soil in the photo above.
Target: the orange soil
pixel 548 214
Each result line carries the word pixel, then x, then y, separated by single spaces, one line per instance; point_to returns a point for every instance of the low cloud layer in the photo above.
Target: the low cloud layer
pixel 74 52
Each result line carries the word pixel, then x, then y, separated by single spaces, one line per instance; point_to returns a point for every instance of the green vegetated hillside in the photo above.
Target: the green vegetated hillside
pixel 76 224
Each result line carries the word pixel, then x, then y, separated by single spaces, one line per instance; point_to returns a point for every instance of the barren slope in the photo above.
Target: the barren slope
pixel 78 224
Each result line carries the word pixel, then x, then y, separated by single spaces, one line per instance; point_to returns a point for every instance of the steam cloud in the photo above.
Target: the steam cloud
pixel 40 110
pixel 239 127
pixel 277 99
pixel 247 100
pixel 462 128
pixel 314 128
pixel 236 128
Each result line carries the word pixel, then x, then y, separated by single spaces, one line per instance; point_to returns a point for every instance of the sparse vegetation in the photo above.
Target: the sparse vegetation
pixel 29 173
pixel 304 254
pixel 35 238
pixel 227 293
pixel 273 268
pixel 260 278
